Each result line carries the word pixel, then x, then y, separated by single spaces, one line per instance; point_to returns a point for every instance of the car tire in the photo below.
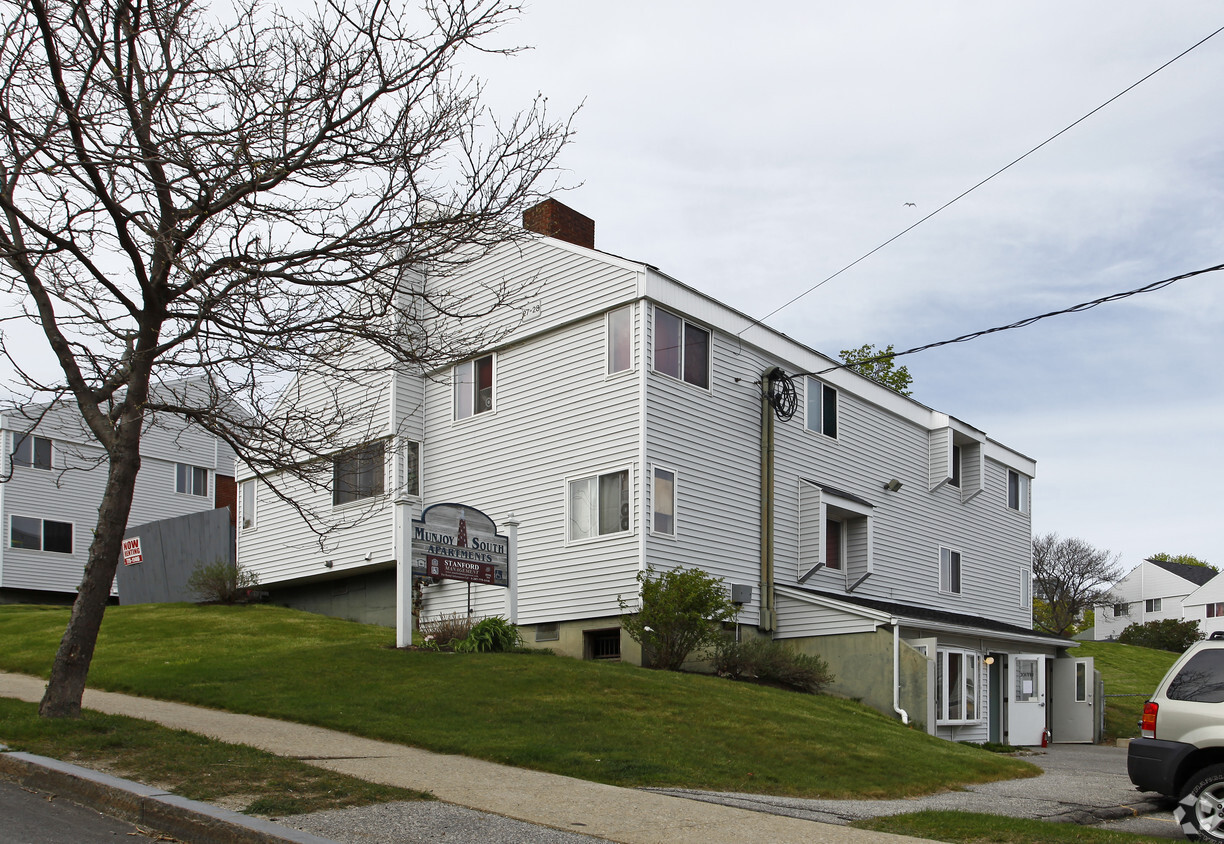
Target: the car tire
pixel 1201 808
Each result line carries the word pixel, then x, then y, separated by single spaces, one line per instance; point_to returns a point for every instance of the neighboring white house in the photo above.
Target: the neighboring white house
pixel 56 474
pixel 1151 591
pixel 1206 605
pixel 622 426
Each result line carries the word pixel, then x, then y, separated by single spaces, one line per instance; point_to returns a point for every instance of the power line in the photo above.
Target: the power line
pixel 1083 306
pixel 1001 170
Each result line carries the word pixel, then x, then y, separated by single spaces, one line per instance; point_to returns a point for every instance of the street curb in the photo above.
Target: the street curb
pixel 152 808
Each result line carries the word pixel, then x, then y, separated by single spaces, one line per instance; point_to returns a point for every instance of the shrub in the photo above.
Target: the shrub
pixel 489 635
pixel 221 583
pixel 771 662
pixel 1168 634
pixel 446 628
pixel 681 613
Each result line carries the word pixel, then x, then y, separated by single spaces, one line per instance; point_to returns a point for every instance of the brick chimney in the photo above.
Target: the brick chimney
pixel 556 220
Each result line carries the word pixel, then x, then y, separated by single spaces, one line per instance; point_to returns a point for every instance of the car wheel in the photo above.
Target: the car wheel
pixel 1201 808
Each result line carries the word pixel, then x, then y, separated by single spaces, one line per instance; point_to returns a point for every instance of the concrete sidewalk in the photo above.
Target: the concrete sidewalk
pixel 609 812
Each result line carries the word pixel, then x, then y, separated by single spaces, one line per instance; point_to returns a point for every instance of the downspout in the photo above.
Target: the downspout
pixel 897 672
pixel 768 619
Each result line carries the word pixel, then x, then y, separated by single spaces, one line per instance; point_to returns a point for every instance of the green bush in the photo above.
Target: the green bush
pixel 490 635
pixel 220 582
pixel 682 611
pixel 1168 634
pixel 771 662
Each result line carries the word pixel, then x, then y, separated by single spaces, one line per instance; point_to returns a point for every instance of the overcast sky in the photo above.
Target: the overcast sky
pixel 752 154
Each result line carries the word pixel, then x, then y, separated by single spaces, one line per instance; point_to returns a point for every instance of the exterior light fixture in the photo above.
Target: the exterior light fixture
pixel 892 485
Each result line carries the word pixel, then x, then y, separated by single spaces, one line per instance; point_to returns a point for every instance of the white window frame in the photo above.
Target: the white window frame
pixel 186 480
pixel 42 535
pixel 655 500
pixel 361 495
pixel 465 400
pixel 571 516
pixel 1026 588
pixel 971 666
pixel 681 357
pixel 1151 605
pixel 1121 609
pixel 956 473
pixel 815 417
pixel 246 503
pixel 618 331
pixel 946 570
pixel 1022 491
pixel 410 469
pixel 30 441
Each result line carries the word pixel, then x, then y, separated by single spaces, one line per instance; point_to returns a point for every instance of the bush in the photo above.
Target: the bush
pixel 490 635
pixel 446 628
pixel 1167 635
pixel 771 662
pixel 682 610
pixel 219 582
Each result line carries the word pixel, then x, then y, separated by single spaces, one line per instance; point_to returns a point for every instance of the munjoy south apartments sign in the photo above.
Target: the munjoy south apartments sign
pixel 456 542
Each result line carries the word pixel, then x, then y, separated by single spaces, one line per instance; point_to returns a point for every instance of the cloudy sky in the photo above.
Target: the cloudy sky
pixel 752 154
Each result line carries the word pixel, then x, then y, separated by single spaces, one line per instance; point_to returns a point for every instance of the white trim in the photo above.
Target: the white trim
pixel 944 589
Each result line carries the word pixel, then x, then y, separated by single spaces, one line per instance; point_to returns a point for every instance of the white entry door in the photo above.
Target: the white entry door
pixel 1026 700
pixel 1071 700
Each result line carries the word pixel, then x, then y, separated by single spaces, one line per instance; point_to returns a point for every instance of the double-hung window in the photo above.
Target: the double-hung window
pixel 1121 609
pixel 681 349
pixel 663 502
pixel 599 505
pixel 949 571
pixel 821 408
pixel 620 340
pixel 1026 588
pixel 358 474
pixel 473 380
pixel 246 503
pixel 1017 491
pixel 190 480
pixel 32 451
pixel 957 687
pixel 40 534
pixel 1152 605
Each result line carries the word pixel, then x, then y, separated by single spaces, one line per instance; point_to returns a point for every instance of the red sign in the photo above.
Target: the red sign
pixel 131 551
pixel 452 569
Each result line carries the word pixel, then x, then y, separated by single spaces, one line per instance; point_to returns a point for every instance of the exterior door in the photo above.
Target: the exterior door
pixel 1026 714
pixel 1071 701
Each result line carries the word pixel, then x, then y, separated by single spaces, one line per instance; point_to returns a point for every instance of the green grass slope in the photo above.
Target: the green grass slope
pixel 1131 673
pixel 611 723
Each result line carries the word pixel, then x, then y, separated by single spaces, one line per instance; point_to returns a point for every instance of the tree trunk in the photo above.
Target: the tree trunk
pixel 66 688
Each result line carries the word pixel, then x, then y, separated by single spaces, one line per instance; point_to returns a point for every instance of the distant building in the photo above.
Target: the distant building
pixel 1152 591
pixel 623 425
pixel 57 473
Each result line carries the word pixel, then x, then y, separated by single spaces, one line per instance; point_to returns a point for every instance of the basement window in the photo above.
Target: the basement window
pixel 602 644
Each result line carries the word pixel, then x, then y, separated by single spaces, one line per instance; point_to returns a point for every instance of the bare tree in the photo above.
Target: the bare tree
pixel 1069 576
pixel 193 207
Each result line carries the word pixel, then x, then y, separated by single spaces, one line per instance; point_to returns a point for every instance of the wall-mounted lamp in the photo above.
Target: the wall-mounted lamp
pixel 327 564
pixel 893 485
pixel 369 556
pixel 989 660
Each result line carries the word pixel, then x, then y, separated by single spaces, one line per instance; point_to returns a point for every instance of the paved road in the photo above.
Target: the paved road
pixel 35 817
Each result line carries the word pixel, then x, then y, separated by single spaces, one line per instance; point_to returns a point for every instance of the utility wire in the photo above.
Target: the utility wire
pixel 1083 306
pixel 1001 170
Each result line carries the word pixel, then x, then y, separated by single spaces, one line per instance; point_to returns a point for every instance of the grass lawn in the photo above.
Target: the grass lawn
pixel 189 765
pixel 969 828
pixel 1127 670
pixel 612 723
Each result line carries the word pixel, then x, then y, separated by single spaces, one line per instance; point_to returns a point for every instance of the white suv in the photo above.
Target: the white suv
pixel 1181 753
